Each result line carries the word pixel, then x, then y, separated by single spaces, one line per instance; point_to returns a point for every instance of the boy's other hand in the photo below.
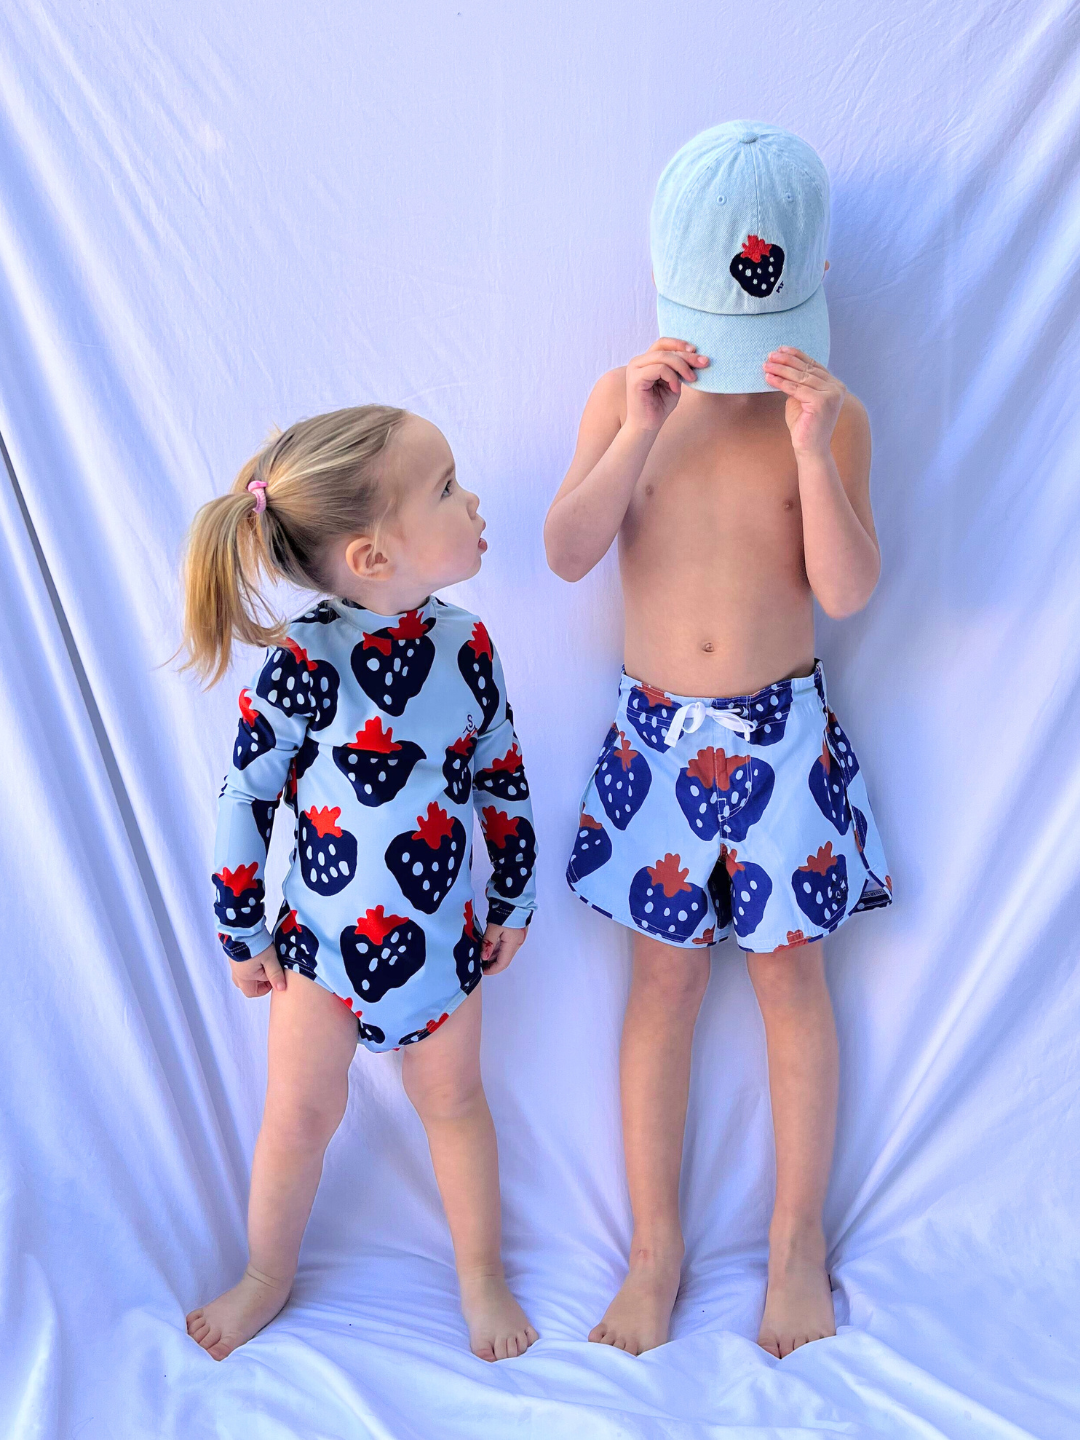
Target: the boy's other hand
pixel 814 398
pixel 654 381
pixel 259 975
pixel 500 945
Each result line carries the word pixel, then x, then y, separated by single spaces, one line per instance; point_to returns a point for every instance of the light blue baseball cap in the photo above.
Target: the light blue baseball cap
pixel 739 230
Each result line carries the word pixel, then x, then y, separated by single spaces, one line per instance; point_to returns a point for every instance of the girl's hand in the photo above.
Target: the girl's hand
pixel 654 382
pixel 499 947
pixel 258 976
pixel 814 398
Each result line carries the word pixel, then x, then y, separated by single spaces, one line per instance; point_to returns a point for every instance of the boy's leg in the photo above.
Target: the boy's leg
pixel 800 1034
pixel 665 996
pixel 442 1079
pixel 312 1040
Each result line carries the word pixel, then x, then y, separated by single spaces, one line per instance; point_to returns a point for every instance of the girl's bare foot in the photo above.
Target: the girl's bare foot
pixel 498 1327
pixel 798 1302
pixel 233 1318
pixel 638 1317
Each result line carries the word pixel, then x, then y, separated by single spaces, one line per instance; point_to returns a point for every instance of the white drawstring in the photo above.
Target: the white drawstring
pixel 690 717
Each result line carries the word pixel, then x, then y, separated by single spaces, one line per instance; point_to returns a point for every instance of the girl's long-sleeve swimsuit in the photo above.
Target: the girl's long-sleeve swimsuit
pixel 380 732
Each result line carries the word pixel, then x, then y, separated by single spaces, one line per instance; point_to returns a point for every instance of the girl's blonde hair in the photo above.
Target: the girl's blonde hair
pixel 321 482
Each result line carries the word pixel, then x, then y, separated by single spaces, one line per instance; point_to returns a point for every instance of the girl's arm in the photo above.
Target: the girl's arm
pixel 622 419
pixel 267 741
pixel 501 798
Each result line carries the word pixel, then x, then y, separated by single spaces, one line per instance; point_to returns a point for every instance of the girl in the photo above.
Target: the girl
pixel 376 715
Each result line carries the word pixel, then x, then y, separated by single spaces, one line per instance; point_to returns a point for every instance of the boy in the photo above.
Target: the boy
pixel 726 797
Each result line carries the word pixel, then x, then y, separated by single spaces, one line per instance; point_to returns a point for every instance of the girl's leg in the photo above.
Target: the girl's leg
pixel 442 1079
pixel 665 996
pixel 801 1038
pixel 311 1043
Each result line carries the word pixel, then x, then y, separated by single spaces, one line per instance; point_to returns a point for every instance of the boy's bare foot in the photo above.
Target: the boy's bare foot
pixel 498 1327
pixel 638 1317
pixel 798 1302
pixel 233 1318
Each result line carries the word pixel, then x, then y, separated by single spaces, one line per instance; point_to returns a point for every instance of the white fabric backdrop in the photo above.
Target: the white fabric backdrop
pixel 215 218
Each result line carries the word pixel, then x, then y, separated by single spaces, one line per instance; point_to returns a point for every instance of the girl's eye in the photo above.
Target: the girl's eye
pixel 448 486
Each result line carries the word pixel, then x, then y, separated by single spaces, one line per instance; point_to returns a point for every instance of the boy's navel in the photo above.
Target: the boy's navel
pixel 707 646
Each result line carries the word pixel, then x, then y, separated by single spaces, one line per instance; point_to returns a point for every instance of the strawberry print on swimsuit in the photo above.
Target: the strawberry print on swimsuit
pixel 754 823
pixel 385 735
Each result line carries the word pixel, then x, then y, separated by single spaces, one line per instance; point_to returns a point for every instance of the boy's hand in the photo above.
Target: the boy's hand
pixel 499 947
pixel 260 975
pixel 814 398
pixel 654 381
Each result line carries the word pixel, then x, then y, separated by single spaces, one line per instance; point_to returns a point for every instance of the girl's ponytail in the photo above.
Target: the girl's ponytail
pixel 312 483
pixel 222 600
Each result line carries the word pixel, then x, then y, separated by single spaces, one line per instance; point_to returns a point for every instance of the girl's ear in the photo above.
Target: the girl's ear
pixel 366 560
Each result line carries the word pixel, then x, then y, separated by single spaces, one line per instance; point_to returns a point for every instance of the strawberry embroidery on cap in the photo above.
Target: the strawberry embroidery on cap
pixel 758 266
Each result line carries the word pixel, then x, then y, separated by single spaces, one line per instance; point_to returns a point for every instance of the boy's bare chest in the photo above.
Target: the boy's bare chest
pixel 718 489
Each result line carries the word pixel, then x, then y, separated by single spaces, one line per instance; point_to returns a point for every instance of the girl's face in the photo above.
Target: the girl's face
pixel 432 536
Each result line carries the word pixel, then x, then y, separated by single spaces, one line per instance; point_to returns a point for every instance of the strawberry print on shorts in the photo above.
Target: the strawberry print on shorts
pixel 744 815
pixel 383 734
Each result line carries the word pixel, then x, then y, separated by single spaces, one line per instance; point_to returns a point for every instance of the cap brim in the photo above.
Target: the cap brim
pixel 737 345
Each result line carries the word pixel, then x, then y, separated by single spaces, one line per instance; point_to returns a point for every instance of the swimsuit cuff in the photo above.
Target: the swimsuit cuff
pixel 515 917
pixel 246 946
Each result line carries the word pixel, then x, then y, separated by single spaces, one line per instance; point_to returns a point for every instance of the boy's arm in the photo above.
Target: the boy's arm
pixel 622 419
pixel 830 434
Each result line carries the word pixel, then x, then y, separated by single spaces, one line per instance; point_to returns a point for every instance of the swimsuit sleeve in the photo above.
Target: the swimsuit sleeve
pixel 273 726
pixel 501 797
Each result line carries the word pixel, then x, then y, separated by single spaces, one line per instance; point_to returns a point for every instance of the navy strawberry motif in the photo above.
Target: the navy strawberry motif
pixel 664 902
pixel 457 767
pixel 821 888
pixel 367 1032
pixel 295 944
pixel 240 896
pixel 649 711
pixel 750 889
pixel 592 848
pixel 769 714
pixel 234 949
pixel 321 614
pixel 720 789
pixel 255 735
pixel 262 812
pixel 758 266
pixel 476 661
pixel 826 781
pixel 841 748
pixel 376 765
pixel 429 1029
pixel 623 778
pixel 505 777
pixel 298 685
pixel 301 761
pixel 511 843
pixel 425 861
pixel 327 852
pixel 392 664
pixel 467 952
pixel 381 952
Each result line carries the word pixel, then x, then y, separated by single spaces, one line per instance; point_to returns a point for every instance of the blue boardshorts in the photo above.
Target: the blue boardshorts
pixel 746 814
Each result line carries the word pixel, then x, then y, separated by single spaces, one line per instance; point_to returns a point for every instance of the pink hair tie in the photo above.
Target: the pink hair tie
pixel 258 489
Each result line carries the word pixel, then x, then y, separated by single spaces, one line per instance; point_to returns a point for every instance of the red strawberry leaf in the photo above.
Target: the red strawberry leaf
pixel 325 820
